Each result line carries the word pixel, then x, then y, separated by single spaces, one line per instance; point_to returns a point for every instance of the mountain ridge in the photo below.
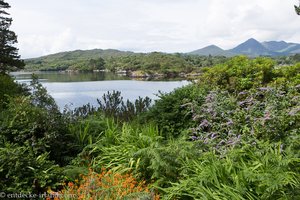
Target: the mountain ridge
pixel 252 48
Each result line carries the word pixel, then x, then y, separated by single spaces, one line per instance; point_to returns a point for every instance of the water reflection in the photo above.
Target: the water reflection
pixel 69 76
pixel 76 89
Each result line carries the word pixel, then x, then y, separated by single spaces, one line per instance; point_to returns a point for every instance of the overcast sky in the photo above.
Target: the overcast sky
pixel 50 26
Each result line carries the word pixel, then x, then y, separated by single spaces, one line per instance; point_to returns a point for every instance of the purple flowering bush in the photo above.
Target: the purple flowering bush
pixel 247 133
pixel 265 114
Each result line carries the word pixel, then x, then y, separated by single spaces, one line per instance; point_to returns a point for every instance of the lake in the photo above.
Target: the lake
pixel 76 89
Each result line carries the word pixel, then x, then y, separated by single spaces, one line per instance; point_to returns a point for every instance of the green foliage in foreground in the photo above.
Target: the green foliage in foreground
pixel 140 149
pixel 24 170
pixel 232 135
pixel 257 171
pixel 34 141
pixel 9 89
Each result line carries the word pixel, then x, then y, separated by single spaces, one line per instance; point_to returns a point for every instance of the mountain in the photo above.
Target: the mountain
pixel 275 45
pixel 282 47
pixel 212 50
pixel 252 48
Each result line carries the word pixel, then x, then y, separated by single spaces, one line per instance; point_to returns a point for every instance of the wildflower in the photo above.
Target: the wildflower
pixel 229 123
pixel 70 184
pixel 242 103
pixel 247 102
pixel 206 140
pixel 294 111
pixel 267 116
pixel 204 124
pixel 243 93
pixel 213 136
pixel 194 138
pixel 106 184
pixel 210 97
pixel 264 88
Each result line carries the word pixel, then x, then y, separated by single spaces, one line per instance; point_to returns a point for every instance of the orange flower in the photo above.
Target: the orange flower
pixel 106 184
pixel 70 184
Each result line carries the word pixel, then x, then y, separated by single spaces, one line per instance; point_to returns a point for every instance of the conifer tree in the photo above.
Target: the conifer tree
pixel 297 9
pixel 9 57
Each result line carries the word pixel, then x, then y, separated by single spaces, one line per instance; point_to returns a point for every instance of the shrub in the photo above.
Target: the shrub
pixel 9 88
pixel 112 105
pixel 22 170
pixel 287 76
pixel 239 73
pixel 265 114
pixel 171 111
pixel 45 131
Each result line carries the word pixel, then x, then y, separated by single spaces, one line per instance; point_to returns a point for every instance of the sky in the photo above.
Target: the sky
pixel 50 26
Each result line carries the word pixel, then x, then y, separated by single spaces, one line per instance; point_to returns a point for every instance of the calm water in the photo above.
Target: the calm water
pixel 77 89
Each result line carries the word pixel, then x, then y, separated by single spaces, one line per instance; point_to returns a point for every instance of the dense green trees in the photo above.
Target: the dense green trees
pixel 9 58
pixel 145 63
pixel 97 64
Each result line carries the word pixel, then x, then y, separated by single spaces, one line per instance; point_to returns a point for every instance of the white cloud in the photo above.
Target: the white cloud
pixel 33 44
pixel 149 25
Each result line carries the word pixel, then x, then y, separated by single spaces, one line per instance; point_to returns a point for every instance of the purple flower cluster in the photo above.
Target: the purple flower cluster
pixel 294 111
pixel 246 102
pixel 204 124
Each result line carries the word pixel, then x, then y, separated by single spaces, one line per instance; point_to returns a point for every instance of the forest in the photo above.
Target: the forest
pixel 151 64
pixel 144 64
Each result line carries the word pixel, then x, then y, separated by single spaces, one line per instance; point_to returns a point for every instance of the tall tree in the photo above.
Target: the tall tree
pixel 297 9
pixel 9 57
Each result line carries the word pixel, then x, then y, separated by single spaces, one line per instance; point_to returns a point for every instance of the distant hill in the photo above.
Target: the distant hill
pixel 82 54
pixel 69 59
pixel 275 45
pixel 212 50
pixel 253 48
pixel 99 59
pixel 282 47
pixel 159 63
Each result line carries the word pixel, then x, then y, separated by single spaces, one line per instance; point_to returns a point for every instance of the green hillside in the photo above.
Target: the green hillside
pixel 78 59
pixel 115 60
